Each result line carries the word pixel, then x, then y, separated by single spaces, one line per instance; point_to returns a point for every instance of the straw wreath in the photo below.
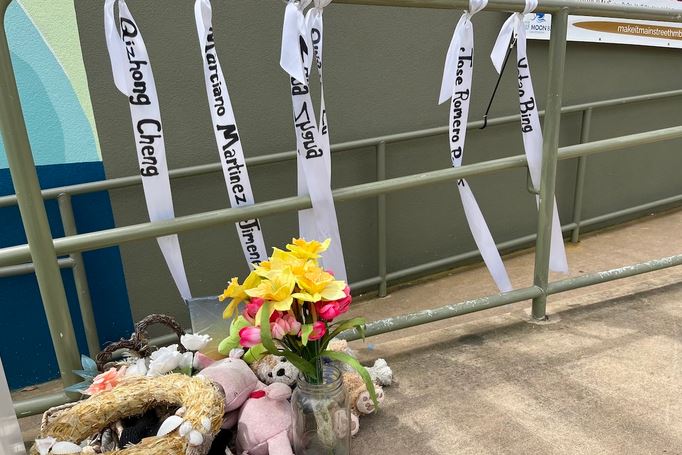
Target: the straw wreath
pixel 203 402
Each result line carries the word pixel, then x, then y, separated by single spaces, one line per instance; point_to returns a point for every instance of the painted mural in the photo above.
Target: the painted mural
pixel 53 88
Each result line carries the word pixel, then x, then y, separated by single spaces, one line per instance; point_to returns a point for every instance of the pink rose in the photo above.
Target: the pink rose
pixel 319 329
pixel 249 336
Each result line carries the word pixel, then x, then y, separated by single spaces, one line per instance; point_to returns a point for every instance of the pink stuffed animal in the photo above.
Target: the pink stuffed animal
pixel 237 381
pixel 265 422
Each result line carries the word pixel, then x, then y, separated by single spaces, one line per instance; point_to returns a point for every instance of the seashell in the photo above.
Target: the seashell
pixel 206 423
pixel 170 424
pixel 44 445
pixel 64 447
pixel 195 438
pixel 185 428
pixel 181 411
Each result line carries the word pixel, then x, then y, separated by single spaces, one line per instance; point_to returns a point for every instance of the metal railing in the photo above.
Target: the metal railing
pixel 45 251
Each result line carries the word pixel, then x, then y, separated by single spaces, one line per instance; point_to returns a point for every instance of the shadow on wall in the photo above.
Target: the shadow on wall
pixel 64 148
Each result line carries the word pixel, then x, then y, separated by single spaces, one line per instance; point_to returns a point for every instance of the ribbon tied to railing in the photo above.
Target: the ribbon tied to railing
pixel 299 51
pixel 132 72
pixel 530 119
pixel 230 150
pixel 456 87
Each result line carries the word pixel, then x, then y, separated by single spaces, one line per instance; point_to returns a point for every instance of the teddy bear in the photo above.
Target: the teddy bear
pixel 271 369
pixel 358 396
pixel 247 401
pixel 380 372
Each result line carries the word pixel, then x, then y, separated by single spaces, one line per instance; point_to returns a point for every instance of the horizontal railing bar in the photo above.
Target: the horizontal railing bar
pixel 444 312
pixel 619 143
pixel 38 405
pixel 579 7
pixel 631 211
pixel 193 171
pixel 613 274
pixel 28 268
pixel 116 236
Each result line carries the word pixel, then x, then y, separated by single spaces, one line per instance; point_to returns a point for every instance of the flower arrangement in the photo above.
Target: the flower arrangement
pixel 291 307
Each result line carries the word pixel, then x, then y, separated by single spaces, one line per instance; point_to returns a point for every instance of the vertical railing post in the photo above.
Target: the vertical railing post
pixel 33 215
pixel 381 221
pixel 79 276
pixel 550 148
pixel 580 176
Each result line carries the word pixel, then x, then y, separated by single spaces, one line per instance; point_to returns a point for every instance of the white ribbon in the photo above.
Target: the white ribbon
pixel 530 120
pixel 133 77
pixel 314 161
pixel 456 86
pixel 11 442
pixel 227 136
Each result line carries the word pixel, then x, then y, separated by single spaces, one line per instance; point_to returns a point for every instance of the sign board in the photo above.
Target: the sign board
pixel 620 31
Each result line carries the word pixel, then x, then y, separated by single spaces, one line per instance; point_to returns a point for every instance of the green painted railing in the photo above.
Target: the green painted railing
pixel 43 251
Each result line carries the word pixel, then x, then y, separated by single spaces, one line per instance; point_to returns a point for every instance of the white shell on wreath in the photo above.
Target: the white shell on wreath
pixel 170 424
pixel 65 447
pixel 195 438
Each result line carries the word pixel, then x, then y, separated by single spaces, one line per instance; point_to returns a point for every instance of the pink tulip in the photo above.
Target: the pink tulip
pixel 252 308
pixel 319 329
pixel 278 329
pixel 331 310
pixel 284 325
pixel 249 336
pixel 293 325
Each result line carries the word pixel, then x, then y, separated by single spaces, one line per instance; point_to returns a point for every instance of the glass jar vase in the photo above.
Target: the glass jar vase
pixel 321 415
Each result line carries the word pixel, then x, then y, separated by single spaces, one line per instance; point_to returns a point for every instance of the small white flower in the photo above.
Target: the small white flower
pixel 164 360
pixel 195 342
pixel 139 368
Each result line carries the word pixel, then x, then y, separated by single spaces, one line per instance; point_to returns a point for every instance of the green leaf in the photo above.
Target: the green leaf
pixel 89 364
pixel 353 362
pixel 355 323
pixel 266 339
pixel 306 330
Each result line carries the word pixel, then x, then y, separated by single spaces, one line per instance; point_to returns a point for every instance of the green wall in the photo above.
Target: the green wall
pixel 382 75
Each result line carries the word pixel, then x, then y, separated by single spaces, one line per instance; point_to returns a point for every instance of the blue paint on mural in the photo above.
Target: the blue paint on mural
pixel 58 129
pixel 25 345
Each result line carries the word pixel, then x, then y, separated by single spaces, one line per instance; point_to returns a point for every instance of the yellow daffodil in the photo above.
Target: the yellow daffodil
pixel 237 292
pixel 276 287
pixel 308 250
pixel 281 260
pixel 316 285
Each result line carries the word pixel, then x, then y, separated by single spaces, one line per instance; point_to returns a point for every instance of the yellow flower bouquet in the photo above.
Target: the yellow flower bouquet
pixel 291 308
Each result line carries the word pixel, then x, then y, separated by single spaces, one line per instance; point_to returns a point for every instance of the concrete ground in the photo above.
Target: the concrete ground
pixel 603 376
